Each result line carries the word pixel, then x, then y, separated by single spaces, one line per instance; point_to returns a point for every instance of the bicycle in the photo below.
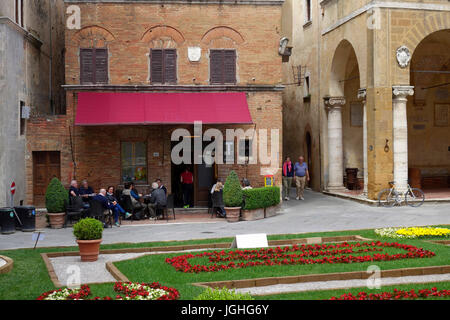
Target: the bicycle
pixel 389 197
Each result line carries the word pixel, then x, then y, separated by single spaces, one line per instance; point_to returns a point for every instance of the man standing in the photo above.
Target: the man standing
pixel 187 183
pixel 301 175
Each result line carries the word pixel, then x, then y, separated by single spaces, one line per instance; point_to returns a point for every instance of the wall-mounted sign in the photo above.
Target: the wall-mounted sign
pixel 268 181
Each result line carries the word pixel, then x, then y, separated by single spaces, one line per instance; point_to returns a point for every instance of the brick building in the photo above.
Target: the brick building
pixel 374 94
pixel 138 70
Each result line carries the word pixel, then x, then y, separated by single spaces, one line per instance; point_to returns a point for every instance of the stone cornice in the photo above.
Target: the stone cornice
pixel 384 5
pixel 27 35
pixel 194 2
pixel 174 88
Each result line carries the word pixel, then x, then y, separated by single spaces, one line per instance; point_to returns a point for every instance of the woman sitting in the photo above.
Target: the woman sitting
pixel 117 208
pixel 217 199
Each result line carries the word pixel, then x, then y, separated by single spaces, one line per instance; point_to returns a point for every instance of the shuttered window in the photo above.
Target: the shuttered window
pixel 93 66
pixel 222 66
pixel 163 65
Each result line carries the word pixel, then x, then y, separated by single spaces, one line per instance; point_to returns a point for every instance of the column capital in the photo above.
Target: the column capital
pixel 334 102
pixel 402 91
pixel 362 93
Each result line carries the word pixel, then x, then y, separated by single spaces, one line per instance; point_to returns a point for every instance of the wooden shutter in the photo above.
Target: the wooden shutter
pixel 222 66
pixel 216 66
pixel 229 66
pixel 156 65
pixel 170 66
pixel 86 66
pixel 101 66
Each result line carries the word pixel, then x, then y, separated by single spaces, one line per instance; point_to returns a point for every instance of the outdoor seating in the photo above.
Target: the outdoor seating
pixel 165 209
pixel 97 211
pixel 74 210
pixel 126 203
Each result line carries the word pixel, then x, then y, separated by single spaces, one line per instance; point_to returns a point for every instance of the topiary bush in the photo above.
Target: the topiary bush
pixel 56 197
pixel 232 191
pixel 258 198
pixel 88 229
pixel 223 294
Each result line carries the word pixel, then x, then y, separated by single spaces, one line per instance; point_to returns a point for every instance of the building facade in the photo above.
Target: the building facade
pixel 31 75
pixel 136 71
pixel 375 92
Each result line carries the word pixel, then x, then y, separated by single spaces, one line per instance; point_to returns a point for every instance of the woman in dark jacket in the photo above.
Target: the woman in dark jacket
pixel 217 199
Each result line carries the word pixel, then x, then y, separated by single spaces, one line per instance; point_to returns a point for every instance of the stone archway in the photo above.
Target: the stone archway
pixel 428 114
pixel 345 118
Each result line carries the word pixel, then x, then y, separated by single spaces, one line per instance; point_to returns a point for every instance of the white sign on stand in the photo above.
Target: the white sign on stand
pixel 258 240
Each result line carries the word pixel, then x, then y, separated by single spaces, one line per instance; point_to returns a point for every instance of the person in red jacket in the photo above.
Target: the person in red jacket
pixel 187 183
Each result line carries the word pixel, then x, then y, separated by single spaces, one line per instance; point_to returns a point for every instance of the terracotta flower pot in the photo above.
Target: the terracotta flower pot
pixel 56 220
pixel 233 213
pixel 89 249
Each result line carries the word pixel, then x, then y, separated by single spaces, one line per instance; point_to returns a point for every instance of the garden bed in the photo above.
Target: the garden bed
pixel 6 264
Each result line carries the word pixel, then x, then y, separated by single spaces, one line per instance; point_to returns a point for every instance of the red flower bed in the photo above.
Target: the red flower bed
pixel 292 255
pixel 130 291
pixel 395 295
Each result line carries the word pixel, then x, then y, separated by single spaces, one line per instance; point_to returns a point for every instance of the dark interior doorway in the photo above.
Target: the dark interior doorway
pixel 204 178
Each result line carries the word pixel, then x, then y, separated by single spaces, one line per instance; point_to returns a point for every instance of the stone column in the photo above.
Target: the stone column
pixel 362 93
pixel 400 135
pixel 335 147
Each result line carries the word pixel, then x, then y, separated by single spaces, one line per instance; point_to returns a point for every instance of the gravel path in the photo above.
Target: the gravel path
pixel 70 270
pixel 340 284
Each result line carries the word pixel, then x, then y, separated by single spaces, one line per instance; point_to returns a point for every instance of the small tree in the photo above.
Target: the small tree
pixel 56 197
pixel 232 191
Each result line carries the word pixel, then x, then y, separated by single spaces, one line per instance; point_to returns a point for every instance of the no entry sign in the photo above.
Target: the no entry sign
pixel 13 188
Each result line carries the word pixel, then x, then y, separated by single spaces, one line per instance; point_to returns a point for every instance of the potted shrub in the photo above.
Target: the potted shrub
pixel 56 197
pixel 254 203
pixel 232 197
pixel 88 233
pixel 273 201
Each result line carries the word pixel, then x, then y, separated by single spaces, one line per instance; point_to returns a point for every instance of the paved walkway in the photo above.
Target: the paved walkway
pixel 341 284
pixel 317 213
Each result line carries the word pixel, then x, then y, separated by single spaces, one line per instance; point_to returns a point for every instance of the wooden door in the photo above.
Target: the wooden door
pixel 46 165
pixel 203 181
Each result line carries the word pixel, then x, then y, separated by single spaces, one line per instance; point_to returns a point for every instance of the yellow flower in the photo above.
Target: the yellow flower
pixel 424 231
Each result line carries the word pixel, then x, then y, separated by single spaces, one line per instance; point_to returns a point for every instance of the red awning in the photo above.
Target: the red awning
pixel 114 108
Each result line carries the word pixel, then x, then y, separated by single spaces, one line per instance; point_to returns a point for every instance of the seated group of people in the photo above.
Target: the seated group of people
pixel 156 199
pixel 147 204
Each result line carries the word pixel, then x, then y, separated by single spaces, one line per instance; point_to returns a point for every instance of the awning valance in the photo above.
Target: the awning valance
pixel 139 108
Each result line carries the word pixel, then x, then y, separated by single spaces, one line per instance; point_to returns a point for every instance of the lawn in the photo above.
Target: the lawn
pixel 29 277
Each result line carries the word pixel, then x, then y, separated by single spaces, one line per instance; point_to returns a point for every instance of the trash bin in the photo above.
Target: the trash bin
pixel 7 220
pixel 27 215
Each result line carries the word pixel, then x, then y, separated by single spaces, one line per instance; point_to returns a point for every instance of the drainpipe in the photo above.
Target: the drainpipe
pixel 52 108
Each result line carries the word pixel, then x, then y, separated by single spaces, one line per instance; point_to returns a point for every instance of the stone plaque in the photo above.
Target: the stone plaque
pixel 194 54
pixel 356 114
pixel 441 114
pixel 257 240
